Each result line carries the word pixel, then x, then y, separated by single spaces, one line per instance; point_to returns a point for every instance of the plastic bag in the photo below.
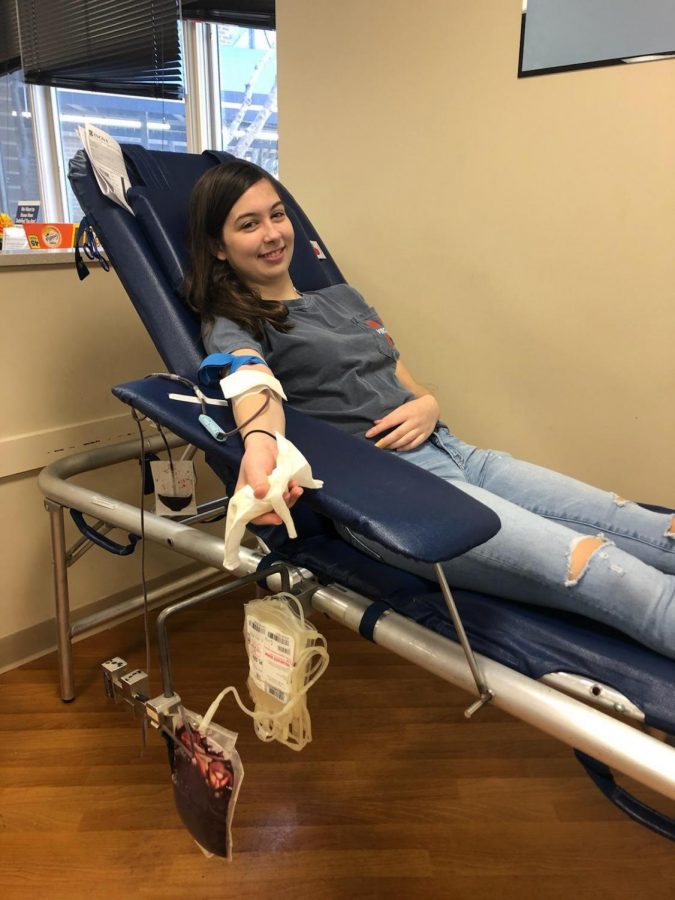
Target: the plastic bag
pixel 207 773
pixel 287 655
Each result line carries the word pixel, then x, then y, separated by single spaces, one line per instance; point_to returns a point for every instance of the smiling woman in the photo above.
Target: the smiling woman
pixel 257 241
pixel 227 219
pixel 334 359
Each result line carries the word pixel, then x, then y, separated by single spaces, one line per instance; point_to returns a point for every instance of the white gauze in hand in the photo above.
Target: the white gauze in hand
pixel 243 506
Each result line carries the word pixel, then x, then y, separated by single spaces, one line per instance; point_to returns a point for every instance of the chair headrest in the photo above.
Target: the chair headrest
pixel 162 215
pixel 148 250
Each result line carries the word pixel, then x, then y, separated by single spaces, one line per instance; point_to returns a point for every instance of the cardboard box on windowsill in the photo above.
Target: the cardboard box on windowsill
pixel 50 235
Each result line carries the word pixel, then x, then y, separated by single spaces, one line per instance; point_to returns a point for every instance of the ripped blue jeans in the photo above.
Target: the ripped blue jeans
pixel 626 579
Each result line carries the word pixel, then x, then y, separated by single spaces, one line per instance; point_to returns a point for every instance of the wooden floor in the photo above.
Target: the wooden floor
pixel 397 796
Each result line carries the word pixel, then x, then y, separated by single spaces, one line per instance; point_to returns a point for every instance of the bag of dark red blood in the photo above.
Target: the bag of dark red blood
pixel 207 773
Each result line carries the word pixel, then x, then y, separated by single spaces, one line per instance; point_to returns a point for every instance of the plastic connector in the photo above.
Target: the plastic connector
pixel 213 428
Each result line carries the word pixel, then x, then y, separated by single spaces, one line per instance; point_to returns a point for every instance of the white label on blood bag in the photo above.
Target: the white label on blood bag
pixel 270 654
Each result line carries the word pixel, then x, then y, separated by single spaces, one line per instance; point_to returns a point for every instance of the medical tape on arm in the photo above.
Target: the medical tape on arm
pixel 245 382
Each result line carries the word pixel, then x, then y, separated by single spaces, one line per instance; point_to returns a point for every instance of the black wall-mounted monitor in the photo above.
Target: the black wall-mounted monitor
pixel 558 35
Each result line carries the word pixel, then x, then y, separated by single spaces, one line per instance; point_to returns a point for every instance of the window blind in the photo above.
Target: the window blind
pixel 10 53
pixel 247 13
pixel 121 47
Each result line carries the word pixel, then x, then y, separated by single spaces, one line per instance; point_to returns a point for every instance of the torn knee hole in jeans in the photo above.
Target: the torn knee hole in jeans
pixel 670 528
pixel 582 550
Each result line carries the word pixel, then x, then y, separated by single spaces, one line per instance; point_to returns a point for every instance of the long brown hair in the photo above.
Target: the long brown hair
pixel 211 286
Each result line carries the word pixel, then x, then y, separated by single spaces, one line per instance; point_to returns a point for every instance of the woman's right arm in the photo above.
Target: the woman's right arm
pixel 260 450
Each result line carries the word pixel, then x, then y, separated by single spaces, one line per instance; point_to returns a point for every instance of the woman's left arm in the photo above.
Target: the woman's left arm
pixel 410 424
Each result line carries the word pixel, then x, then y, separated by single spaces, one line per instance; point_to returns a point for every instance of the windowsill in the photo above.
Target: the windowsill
pixel 38 258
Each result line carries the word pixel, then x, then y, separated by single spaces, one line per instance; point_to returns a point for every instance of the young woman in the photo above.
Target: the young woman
pixel 562 543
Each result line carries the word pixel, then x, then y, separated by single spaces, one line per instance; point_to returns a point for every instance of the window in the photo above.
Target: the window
pixel 242 108
pixel 18 169
pixel 248 96
pixel 156 124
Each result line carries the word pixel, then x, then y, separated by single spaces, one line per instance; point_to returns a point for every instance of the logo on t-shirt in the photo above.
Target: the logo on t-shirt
pixel 380 329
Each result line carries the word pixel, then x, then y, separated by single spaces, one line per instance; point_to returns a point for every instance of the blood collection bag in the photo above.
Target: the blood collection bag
pixel 207 773
pixel 287 655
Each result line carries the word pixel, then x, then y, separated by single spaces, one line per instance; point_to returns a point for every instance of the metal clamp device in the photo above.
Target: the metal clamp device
pixel 131 686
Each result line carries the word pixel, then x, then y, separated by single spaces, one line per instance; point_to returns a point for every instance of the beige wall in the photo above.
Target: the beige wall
pixel 64 344
pixel 516 235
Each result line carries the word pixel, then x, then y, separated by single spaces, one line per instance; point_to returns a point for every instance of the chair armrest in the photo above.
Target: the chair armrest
pixel 376 493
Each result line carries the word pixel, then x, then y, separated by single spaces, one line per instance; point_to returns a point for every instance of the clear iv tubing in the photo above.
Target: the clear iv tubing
pixel 205 419
pixel 309 678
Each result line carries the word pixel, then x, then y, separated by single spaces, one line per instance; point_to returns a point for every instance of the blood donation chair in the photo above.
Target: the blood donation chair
pixel 603 694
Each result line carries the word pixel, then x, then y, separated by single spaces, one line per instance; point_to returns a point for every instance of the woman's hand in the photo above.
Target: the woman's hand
pixel 257 464
pixel 412 423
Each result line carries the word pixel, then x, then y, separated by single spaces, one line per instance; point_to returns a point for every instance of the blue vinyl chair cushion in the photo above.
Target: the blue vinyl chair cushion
pixel 161 215
pixel 175 330
pixel 402 507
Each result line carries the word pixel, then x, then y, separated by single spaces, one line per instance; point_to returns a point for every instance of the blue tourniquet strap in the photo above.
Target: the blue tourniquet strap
pixel 603 779
pixel 371 617
pixel 210 370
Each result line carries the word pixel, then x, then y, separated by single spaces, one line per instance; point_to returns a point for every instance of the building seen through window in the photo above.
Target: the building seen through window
pixel 248 103
pixel 18 171
pixel 248 94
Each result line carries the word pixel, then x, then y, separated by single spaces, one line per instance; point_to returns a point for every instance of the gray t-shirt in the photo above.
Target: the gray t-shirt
pixel 337 363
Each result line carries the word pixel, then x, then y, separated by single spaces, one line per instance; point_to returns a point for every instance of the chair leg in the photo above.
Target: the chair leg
pixel 485 694
pixel 61 600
